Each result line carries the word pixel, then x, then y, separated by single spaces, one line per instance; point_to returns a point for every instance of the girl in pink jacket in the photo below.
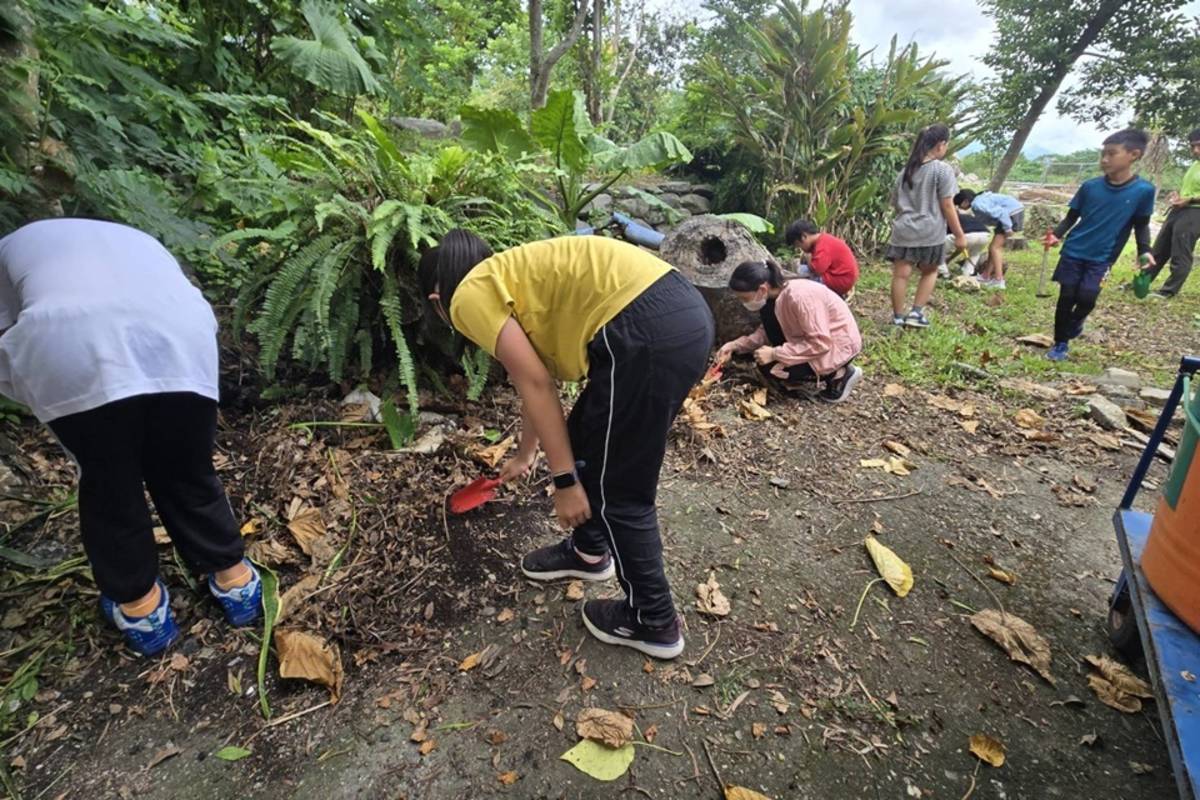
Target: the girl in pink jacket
pixel 808 333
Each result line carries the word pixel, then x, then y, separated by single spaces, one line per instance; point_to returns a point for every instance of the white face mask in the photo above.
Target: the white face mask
pixel 755 305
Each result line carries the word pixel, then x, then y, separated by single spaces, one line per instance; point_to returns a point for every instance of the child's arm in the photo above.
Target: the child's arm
pixel 1063 228
pixel 951 215
pixel 541 406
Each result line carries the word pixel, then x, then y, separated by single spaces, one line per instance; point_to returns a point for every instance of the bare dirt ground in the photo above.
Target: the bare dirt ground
pixel 802 691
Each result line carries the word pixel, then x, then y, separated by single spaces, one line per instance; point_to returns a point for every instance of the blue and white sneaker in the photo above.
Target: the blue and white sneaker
pixel 148 635
pixel 242 604
pixel 916 319
pixel 1058 352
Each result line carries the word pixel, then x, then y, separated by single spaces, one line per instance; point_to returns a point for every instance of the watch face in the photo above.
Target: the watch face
pixel 564 481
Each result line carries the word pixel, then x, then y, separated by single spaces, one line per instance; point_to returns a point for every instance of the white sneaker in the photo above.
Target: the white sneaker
pixel 943 271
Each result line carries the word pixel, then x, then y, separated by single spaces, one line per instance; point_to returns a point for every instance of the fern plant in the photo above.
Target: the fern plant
pixel 476 364
pixel 333 283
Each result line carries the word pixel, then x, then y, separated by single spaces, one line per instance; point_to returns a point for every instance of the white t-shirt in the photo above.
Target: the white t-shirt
pixel 98 312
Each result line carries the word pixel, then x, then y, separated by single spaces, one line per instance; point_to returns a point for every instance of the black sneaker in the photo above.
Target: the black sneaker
pixel 838 389
pixel 610 622
pixel 561 561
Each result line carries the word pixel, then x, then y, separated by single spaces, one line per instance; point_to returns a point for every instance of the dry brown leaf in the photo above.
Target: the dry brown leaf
pixel 650 733
pixel 574 590
pixel 760 396
pixel 890 566
pixel 1119 676
pixel 988 750
pixel 308 527
pixel 1106 441
pixel 505 615
pixel 758 730
pixel 755 411
pixel 742 793
pixel 558 721
pixel 251 527
pixel 293 598
pixel 960 407
pixel 611 728
pixel 970 426
pixel 1002 575
pixel 892 464
pixel 1112 696
pixel 1037 340
pixel 427 747
pixel 898 448
pixel 507 778
pixel 709 598
pixel 308 656
pixel 893 390
pixel 493 455
pixel 1017 637
pixel 496 737
pixel 1028 418
pixel 179 662
pixel 271 552
pixel 703 680
pixel 587 683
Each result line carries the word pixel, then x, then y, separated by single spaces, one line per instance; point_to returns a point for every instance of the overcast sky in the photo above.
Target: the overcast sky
pixel 957 31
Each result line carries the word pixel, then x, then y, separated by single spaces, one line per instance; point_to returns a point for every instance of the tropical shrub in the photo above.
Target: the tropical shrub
pixel 820 127
pixel 583 163
pixel 332 269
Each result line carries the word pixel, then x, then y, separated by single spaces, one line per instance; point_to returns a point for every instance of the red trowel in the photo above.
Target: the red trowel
pixel 474 494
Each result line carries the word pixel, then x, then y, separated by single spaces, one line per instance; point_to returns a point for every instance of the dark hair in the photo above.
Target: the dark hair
pixel 1130 139
pixel 799 229
pixel 443 266
pixel 750 275
pixel 965 196
pixel 927 139
pixel 1194 136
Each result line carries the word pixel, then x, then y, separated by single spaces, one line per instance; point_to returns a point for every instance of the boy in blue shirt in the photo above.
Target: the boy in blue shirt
pixel 1006 215
pixel 1106 209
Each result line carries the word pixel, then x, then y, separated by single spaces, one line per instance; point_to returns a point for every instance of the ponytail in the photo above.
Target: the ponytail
pixel 926 140
pixel 750 275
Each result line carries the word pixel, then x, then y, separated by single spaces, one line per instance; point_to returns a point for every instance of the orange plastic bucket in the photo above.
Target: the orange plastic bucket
pixel 1171 560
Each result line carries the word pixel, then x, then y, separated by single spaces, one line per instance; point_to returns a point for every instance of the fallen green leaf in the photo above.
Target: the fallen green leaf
pixel 270 599
pixel 232 753
pixel 601 762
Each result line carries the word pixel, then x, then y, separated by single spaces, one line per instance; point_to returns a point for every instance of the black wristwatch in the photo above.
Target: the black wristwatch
pixel 566 480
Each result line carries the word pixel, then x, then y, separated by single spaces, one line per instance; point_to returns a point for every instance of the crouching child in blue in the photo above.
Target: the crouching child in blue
pixel 1102 213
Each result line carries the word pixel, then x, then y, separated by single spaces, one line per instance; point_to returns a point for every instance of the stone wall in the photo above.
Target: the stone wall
pixel 676 201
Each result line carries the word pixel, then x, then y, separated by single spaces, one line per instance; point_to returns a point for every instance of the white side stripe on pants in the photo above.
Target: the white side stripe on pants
pixel 612 394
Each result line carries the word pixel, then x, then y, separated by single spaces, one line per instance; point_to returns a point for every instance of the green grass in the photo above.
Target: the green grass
pixel 1142 335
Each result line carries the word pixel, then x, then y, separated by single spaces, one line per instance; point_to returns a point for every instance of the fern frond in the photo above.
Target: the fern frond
pixel 390 305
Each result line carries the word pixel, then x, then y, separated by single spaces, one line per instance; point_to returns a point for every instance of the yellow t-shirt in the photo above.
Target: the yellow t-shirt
pixel 561 292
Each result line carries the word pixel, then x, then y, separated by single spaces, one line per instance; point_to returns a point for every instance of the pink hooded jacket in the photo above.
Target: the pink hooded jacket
pixel 819 328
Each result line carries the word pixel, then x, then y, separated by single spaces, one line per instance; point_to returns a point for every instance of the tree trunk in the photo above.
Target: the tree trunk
pixel 594 63
pixel 1087 36
pixel 541 63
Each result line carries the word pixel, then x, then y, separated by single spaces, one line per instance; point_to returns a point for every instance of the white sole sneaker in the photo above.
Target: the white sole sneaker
pixel 852 380
pixel 559 574
pixel 663 651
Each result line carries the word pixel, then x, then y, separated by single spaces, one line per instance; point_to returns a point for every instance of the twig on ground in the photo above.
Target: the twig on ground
pixel 979 580
pixel 876 499
pixel 861 598
pixel 713 764
pixel 296 715
pixel 971 790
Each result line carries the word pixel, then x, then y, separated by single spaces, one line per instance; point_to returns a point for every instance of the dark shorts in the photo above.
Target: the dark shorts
pixel 1083 274
pixel 1018 222
pixel 926 258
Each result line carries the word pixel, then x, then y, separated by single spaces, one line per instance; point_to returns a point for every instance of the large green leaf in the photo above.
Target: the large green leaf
pixel 562 127
pixel 330 59
pixel 654 151
pixel 495 130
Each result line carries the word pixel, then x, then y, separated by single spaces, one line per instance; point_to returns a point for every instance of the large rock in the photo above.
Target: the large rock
pixel 707 250
pixel 676 187
pixel 427 128
pixel 695 203
pixel 634 206
pixel 601 203
pixel 670 198
pixel 1115 376
pixel 1154 396
pixel 1106 413
pixel 703 189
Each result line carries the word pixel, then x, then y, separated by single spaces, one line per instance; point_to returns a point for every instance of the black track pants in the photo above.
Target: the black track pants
pixel 160 442
pixel 1175 246
pixel 642 365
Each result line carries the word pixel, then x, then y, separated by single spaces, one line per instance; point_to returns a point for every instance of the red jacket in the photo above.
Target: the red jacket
pixel 832 259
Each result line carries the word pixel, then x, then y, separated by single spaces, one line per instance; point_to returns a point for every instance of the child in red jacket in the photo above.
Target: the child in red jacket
pixel 830 260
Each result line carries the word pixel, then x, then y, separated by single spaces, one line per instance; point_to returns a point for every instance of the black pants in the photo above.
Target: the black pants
pixel 164 443
pixel 642 365
pixel 1176 243
pixel 1075 302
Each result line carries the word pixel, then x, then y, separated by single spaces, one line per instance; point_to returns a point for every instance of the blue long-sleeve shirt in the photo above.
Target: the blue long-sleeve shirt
pixel 999 207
